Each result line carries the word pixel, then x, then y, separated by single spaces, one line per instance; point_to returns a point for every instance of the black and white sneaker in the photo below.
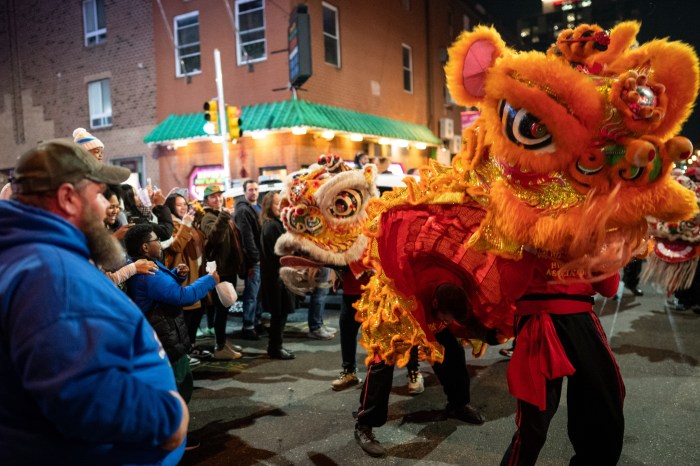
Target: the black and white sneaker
pixel 200 353
pixel 194 362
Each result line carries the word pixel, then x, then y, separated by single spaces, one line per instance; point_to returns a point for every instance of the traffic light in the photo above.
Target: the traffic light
pixel 234 121
pixel 211 109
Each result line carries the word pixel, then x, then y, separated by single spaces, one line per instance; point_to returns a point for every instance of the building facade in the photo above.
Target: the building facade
pixel 78 63
pixel 136 74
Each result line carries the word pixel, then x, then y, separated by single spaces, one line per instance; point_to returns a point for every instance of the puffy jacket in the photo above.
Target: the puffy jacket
pixel 161 297
pixel 83 378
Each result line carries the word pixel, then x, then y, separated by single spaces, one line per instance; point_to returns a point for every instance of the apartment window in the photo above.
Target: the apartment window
pixel 250 24
pixel 94 21
pixel 331 35
pixel 407 68
pixel 187 52
pixel 100 103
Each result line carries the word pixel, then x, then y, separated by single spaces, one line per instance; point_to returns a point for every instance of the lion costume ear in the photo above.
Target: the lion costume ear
pixel 470 58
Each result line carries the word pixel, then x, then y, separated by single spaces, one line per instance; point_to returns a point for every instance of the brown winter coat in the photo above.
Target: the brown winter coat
pixel 186 248
pixel 223 244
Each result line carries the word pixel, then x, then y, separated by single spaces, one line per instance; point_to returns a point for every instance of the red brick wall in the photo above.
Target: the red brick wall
pixel 371 36
pixel 364 26
pixel 56 66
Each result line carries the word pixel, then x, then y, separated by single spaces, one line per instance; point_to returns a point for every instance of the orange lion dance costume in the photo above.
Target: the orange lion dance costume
pixel 572 151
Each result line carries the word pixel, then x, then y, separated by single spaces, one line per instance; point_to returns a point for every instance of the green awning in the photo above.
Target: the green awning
pixel 292 113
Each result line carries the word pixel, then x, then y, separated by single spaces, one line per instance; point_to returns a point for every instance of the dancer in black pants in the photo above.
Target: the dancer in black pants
pixel 559 336
pixel 446 304
pixel 631 275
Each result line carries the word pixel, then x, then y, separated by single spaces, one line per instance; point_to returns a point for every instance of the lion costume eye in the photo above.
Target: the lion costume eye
pixel 525 129
pixel 346 203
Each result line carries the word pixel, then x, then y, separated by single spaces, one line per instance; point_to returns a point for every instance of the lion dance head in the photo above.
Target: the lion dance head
pixel 574 147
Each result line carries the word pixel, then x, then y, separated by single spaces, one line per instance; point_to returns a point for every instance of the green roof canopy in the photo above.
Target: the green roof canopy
pixel 290 113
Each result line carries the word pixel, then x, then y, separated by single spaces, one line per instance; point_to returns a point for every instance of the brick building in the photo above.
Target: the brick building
pixel 56 54
pixel 377 81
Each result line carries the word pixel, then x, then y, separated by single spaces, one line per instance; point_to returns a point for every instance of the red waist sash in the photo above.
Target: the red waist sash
pixel 539 355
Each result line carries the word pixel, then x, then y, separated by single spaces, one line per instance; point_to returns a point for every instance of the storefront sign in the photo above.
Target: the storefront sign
pixel 201 177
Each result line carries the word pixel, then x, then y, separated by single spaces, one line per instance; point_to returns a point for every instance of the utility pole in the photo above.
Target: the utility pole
pixel 223 127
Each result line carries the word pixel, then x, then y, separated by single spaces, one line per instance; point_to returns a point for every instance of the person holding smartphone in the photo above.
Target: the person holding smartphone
pixel 187 248
pixel 158 215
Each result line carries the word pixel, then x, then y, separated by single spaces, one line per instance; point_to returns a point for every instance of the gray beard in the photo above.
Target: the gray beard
pixel 105 250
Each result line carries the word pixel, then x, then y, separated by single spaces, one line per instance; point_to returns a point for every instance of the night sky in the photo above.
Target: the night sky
pixel 676 19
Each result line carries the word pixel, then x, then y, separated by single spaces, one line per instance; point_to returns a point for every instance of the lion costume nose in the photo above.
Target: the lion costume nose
pixel 639 153
pixel 679 148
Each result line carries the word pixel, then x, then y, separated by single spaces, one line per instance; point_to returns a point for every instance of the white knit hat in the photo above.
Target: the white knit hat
pixel 85 139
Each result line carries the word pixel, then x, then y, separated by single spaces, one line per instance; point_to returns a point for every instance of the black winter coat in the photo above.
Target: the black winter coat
pixel 248 223
pixel 276 298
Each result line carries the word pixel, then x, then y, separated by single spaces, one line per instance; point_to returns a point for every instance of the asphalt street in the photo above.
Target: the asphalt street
pixel 261 411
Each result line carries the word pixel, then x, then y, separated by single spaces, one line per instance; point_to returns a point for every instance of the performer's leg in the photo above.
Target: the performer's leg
pixel 412 365
pixel 631 275
pixel 374 406
pixel 374 398
pixel 415 384
pixel 595 392
pixel 452 372
pixel 533 425
pixel 348 332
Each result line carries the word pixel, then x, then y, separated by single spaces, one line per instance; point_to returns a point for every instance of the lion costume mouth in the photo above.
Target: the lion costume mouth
pixel 324 211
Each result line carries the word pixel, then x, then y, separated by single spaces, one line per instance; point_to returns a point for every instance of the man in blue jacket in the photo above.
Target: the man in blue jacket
pixel 161 296
pixel 83 378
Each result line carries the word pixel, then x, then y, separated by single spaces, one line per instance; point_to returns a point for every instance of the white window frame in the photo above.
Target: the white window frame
pixel 96 105
pixel 335 37
pixel 179 60
pixel 99 35
pixel 242 59
pixel 409 69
